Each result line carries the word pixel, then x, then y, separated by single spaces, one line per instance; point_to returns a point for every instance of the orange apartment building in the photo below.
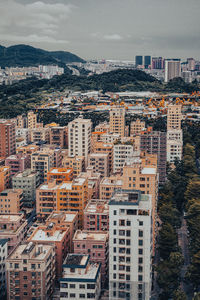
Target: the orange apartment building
pixel 28 150
pixel 117 120
pixel 68 196
pixel 60 175
pixel 4 178
pixel 136 127
pixel 108 185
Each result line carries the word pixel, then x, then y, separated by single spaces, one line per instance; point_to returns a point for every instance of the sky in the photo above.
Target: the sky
pixel 110 29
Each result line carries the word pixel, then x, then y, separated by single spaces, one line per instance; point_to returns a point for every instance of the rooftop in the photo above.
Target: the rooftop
pixel 97 206
pixel 10 218
pixel 42 235
pixel 90 235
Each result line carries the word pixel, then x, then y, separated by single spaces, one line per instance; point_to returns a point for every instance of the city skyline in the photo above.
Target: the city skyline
pixel 73 25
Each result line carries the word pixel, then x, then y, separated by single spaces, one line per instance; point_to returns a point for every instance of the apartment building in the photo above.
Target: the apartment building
pixel 103 127
pixel 3 257
pixel 13 227
pixel 42 162
pixel 18 163
pixel 28 181
pixel 31 120
pixel 60 175
pixel 79 137
pixel 100 163
pixel 56 234
pixel 11 201
pixel 27 150
pixel 96 215
pixel 174 117
pixel 7 138
pixel 130 249
pixel 81 278
pixel 137 127
pixel 4 178
pixel 108 185
pixel 93 182
pixel 117 120
pixel 155 142
pixel 67 219
pixel 38 135
pixel 121 152
pixel 58 136
pixel 77 163
pixel 94 243
pixel 31 272
pixel 101 147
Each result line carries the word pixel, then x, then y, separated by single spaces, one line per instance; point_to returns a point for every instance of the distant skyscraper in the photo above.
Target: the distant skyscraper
pixel 157 63
pixel 172 69
pixel 147 61
pixel 191 64
pixel 138 60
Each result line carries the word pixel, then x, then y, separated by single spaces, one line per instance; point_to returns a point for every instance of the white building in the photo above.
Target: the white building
pixel 81 278
pixel 122 152
pixel 172 69
pixel 130 246
pixel 3 257
pixel 79 137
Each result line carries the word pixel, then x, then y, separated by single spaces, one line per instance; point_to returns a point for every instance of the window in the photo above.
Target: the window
pixel 140 223
pixel 128 233
pixel 82 286
pixel 128 223
pixel 140 277
pixel 72 286
pixel 140 251
pixel 114 212
pixel 140 242
pixel 81 296
pixel 72 295
pixel 140 233
pixel 140 260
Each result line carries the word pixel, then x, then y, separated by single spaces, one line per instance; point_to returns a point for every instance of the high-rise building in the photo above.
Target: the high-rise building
pixel 117 120
pixel 31 272
pixel 138 60
pixel 42 162
pixel 3 257
pixel 58 136
pixel 174 117
pixel 4 178
pixel 155 142
pixel 31 120
pixel 7 138
pixel 121 152
pixel 100 163
pixel 147 61
pixel 18 163
pixel 174 133
pixel 108 185
pixel 130 246
pixel 172 69
pixel 96 215
pixel 191 64
pixel 79 137
pixel 157 63
pixel 136 127
pixel 77 163
pixel 11 201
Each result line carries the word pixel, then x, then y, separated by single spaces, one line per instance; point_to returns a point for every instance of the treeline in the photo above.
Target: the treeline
pixel 180 194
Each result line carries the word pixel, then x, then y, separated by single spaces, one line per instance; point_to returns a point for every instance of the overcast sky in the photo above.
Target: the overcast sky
pixel 111 29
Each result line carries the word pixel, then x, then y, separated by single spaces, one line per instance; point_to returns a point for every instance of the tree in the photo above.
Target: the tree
pixel 179 295
pixel 193 190
pixel 167 240
pixel 169 214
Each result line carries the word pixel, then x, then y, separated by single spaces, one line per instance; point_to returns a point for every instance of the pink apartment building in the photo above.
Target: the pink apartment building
pixel 96 215
pixel 94 243
pixel 18 163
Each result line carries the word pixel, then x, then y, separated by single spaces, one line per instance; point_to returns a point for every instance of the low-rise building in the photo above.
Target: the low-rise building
pixel 94 243
pixel 11 201
pixel 28 181
pixel 13 227
pixel 31 272
pixel 81 278
pixel 96 215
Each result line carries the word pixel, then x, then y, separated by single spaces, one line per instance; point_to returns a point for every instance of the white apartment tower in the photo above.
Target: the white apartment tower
pixel 79 137
pixel 117 120
pixel 174 133
pixel 130 246
pixel 122 152
pixel 172 69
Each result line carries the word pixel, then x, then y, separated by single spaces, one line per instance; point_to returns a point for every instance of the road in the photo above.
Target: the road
pixel 184 244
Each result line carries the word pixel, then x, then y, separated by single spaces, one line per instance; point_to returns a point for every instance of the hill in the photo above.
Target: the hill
pixel 24 55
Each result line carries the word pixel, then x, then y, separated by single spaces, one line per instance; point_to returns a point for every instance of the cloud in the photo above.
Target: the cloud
pixel 33 22
pixel 113 37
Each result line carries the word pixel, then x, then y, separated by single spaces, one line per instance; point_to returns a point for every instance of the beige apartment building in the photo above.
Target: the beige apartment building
pixel 58 136
pixel 31 120
pixel 11 201
pixel 76 163
pixel 38 135
pixel 31 272
pixel 137 127
pixel 100 163
pixel 108 185
pixel 79 137
pixel 101 147
pixel 42 162
pixel 117 120
pixel 174 117
pixel 7 138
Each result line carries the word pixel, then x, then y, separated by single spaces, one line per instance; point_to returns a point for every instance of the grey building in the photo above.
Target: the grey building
pixel 28 181
pixel 3 257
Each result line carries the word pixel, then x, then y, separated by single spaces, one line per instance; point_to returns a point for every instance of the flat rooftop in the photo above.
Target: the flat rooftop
pixel 29 249
pixel 57 171
pixel 97 206
pixel 41 235
pixel 109 181
pixel 10 218
pixel 90 235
